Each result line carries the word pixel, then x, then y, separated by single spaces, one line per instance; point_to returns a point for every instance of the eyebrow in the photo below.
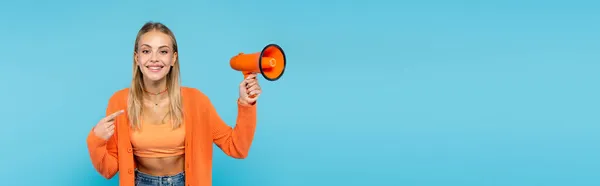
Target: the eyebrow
pixel 151 47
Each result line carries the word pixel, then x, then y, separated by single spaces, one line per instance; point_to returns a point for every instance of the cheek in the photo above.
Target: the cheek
pixel 140 60
pixel 168 59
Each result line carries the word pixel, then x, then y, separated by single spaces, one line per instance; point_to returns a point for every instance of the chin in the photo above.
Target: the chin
pixel 154 77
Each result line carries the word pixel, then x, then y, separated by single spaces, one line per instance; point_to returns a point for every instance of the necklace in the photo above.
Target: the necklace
pixel 155 107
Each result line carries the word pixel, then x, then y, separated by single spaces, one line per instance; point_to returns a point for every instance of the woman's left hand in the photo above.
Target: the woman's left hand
pixel 249 90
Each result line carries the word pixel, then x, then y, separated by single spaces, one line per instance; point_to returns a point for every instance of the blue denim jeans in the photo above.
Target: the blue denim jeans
pixel 143 179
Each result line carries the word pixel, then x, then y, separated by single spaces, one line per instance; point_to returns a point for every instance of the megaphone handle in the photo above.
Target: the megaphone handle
pixel 246 74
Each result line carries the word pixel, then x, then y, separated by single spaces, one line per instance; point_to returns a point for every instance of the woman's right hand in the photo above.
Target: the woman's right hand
pixel 106 128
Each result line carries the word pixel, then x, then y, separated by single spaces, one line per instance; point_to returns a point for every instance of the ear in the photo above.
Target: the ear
pixel 135 58
pixel 174 60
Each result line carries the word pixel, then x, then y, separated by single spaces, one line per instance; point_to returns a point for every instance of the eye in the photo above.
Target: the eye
pixel 164 52
pixel 145 51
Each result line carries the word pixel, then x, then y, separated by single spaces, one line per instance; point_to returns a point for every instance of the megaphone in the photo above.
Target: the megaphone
pixel 270 62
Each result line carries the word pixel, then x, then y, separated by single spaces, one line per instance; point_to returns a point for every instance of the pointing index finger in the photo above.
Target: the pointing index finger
pixel 114 115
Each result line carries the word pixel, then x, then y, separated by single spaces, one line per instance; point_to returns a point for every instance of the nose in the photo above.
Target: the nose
pixel 153 57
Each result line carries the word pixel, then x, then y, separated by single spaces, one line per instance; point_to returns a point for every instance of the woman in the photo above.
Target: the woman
pixel 157 132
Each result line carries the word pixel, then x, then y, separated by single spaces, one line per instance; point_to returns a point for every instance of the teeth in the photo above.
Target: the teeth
pixel 155 68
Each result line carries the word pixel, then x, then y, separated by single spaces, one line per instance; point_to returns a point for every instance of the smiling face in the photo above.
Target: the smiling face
pixel 155 68
pixel 155 55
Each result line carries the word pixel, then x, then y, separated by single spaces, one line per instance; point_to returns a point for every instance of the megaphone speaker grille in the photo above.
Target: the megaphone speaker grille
pixel 272 55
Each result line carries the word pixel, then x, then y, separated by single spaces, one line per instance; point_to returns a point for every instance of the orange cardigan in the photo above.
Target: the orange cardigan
pixel 203 127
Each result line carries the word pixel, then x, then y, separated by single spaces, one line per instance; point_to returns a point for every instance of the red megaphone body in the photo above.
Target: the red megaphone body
pixel 270 62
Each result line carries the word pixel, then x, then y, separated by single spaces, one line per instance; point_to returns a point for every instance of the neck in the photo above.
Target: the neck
pixel 155 87
pixel 155 90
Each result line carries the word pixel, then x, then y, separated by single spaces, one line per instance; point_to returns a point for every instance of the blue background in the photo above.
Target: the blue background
pixel 417 93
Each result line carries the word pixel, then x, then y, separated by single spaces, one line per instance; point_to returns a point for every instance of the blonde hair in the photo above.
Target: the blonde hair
pixel 136 91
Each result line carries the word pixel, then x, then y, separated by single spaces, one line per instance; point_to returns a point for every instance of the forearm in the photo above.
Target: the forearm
pixel 103 160
pixel 236 141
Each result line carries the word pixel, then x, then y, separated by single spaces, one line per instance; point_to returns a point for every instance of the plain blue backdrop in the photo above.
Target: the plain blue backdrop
pixel 416 93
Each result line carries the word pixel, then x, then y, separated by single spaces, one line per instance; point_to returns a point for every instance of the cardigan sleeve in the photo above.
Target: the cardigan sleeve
pixel 103 153
pixel 233 141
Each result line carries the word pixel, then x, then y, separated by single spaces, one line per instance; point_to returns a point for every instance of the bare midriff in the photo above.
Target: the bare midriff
pixel 161 166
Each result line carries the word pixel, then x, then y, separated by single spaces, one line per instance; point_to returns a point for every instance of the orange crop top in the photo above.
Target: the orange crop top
pixel 158 140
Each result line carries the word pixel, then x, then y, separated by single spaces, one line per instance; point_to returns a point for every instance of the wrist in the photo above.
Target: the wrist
pixel 244 102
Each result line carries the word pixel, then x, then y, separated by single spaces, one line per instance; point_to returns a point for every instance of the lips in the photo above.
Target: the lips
pixel 155 68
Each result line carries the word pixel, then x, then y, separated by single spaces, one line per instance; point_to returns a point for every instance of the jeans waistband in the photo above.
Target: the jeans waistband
pixel 146 179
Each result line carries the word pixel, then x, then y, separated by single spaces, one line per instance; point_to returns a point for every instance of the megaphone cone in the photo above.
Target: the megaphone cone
pixel 270 62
